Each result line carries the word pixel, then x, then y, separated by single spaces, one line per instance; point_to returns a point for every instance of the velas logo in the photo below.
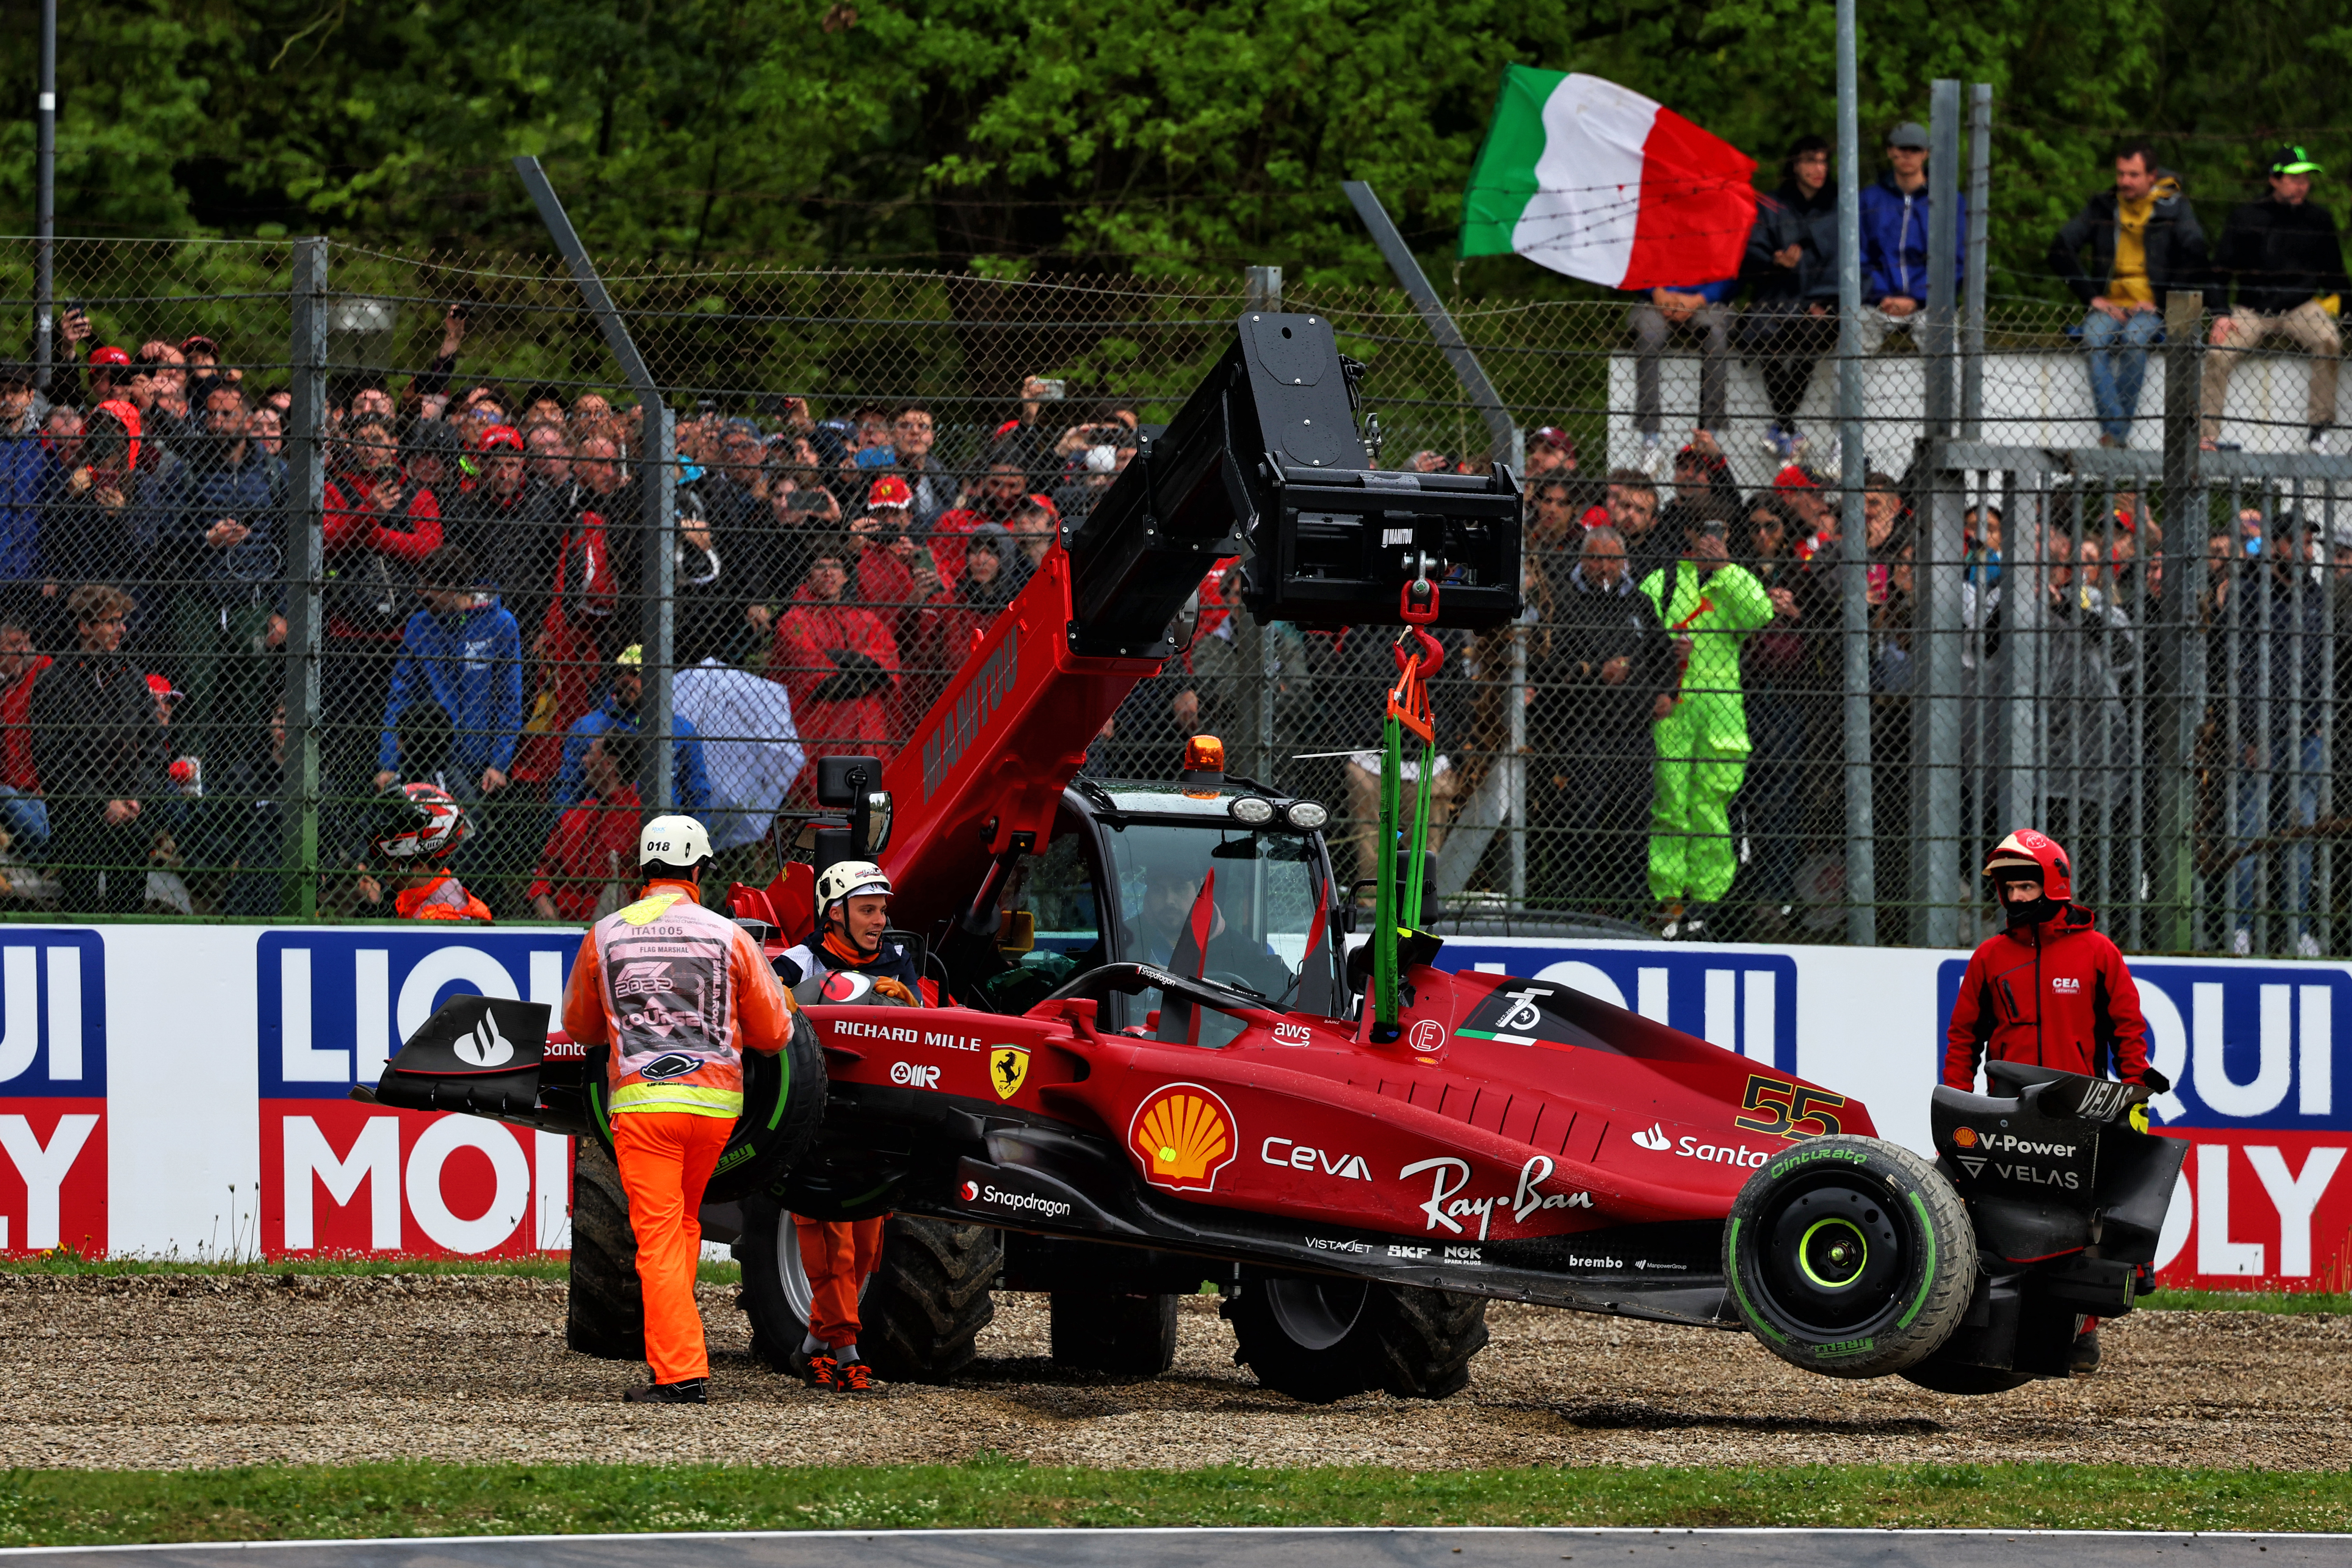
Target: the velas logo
pixel 1182 1134
pixel 1008 1068
pixel 1654 1137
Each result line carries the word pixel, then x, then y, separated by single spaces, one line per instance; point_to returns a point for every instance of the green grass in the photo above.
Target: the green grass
pixel 65 1262
pixel 86 1508
pixel 2294 1304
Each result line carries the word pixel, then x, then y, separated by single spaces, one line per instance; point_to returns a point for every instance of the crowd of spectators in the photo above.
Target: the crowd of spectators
pixel 482 612
pixel 2276 273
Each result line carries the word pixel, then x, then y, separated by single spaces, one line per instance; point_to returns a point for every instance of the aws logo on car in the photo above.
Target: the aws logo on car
pixel 1654 1138
pixel 1183 1135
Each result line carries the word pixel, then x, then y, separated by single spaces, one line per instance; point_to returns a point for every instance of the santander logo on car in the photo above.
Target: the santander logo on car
pixel 1654 1138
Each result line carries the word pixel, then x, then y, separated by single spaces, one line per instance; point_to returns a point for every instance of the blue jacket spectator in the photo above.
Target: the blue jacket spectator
pixel 618 715
pixel 231 479
pixel 462 655
pixel 1896 225
pixel 25 468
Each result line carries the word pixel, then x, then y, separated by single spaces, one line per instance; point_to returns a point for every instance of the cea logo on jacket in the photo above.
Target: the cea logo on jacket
pixel 52 1091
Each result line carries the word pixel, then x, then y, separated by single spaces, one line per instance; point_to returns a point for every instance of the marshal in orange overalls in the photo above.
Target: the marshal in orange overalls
pixel 679 992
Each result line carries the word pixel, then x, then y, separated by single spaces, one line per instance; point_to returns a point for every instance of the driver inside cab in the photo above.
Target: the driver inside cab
pixel 853 911
pixel 1160 934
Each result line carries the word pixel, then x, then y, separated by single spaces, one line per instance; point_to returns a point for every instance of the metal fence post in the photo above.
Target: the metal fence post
pixel 44 199
pixel 2180 652
pixel 1973 328
pixel 305 504
pixel 658 577
pixel 1517 779
pixel 1256 651
pixel 1860 858
pixel 1943 250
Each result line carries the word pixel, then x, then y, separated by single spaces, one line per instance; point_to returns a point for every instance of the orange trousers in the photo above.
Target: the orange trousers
pixel 837 1255
pixel 665 1158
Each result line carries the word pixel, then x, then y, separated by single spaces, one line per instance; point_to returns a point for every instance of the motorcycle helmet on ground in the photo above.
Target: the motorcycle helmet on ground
pixel 417 824
pixel 2030 856
pixel 676 842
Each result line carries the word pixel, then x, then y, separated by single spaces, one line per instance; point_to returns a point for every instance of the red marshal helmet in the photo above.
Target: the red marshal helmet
pixel 2030 855
pixel 417 822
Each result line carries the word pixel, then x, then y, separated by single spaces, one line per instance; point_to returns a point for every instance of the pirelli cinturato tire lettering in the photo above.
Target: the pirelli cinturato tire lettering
pixel 1849 1257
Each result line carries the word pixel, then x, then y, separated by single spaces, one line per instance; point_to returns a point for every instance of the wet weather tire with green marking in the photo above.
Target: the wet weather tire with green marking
pixel 1849 1257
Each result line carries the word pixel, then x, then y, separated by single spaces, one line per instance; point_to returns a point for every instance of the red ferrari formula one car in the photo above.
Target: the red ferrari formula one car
pixel 1154 1067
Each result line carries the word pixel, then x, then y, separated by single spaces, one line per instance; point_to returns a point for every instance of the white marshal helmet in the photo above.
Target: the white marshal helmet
pixel 845 880
pixel 678 843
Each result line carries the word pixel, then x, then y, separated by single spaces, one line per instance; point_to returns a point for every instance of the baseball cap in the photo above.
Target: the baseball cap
pixel 1552 436
pixel 13 374
pixel 161 685
pixel 1793 477
pixel 2293 160
pixel 889 491
pixel 502 435
pixel 1910 133
pixel 109 356
pixel 195 340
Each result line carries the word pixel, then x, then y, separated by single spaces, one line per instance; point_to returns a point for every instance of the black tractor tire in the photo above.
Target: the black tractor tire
pixel 1321 1339
pixel 1108 1331
pixel 604 1311
pixel 1850 1256
pixel 775 1295
pixel 918 1312
pixel 1942 1375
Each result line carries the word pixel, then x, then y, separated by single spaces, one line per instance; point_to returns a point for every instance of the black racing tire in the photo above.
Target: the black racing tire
pixel 775 1295
pixel 1850 1256
pixel 1320 1339
pixel 783 1106
pixel 1942 1375
pixel 605 1310
pixel 1112 1332
pixel 925 1306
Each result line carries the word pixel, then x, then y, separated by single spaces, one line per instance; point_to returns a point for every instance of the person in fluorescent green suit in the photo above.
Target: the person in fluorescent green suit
pixel 1710 606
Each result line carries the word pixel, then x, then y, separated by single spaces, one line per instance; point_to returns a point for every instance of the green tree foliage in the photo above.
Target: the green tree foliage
pixel 1049 138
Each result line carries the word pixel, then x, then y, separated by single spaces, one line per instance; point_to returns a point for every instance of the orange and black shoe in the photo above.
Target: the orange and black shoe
pixel 855 1378
pixel 821 1372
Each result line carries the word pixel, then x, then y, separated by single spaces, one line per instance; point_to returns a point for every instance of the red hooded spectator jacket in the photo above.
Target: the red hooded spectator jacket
pixel 2056 995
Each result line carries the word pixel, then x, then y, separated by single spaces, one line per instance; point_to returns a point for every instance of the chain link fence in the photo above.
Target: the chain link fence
pixel 1714 720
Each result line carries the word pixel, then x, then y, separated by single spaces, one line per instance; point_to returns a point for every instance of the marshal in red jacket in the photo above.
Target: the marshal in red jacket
pixel 2056 995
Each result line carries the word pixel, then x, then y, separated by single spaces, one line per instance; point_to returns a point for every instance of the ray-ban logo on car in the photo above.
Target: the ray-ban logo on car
pixel 484 1046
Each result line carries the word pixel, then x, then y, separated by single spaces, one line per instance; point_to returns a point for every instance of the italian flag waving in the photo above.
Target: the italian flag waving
pixel 1597 182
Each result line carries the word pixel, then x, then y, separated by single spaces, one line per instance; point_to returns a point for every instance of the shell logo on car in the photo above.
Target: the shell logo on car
pixel 1183 1135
